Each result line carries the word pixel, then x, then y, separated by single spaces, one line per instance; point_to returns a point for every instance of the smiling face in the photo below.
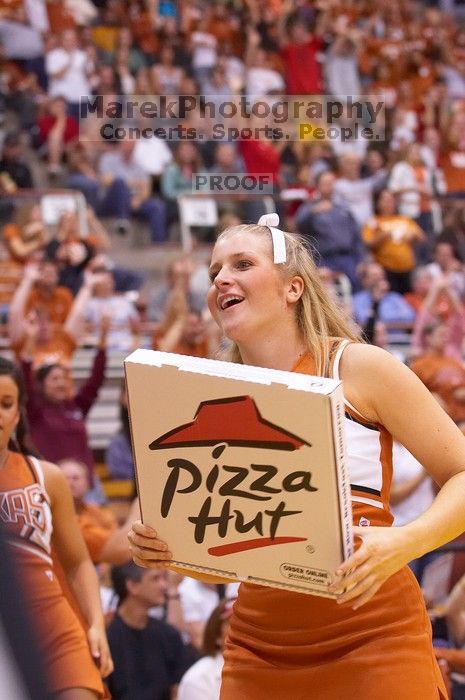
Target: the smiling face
pixel 249 298
pixel 9 409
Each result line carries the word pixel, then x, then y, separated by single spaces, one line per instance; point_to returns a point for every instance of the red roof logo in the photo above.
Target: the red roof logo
pixel 234 421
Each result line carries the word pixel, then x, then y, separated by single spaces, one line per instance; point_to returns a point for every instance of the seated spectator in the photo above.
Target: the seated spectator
pixel 179 275
pixel 331 229
pixel 23 241
pixel 198 600
pixel 441 303
pixel 183 330
pixel 125 278
pixel 446 262
pixel 421 279
pixel 13 162
pixel 149 655
pixel 412 492
pixel 56 412
pixel 443 376
pixel 176 179
pixel 128 191
pixel 184 334
pixel 392 308
pixel 107 543
pixel 454 656
pixel 83 175
pixel 339 287
pixel 56 130
pixel 392 239
pixel 118 455
pixel 70 251
pixel 203 680
pixel 123 332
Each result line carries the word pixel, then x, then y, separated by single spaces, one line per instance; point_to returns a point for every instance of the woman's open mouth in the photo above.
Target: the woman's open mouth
pixel 229 300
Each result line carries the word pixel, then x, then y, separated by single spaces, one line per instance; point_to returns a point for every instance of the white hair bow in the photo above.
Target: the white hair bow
pixel 279 242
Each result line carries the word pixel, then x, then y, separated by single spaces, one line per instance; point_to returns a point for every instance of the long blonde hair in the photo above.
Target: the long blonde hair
pixel 318 317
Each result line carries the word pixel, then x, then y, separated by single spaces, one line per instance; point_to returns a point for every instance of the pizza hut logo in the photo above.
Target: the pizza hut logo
pixel 231 489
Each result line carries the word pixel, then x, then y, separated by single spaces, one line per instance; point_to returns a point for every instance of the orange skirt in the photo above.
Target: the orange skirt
pixel 283 645
pixel 61 639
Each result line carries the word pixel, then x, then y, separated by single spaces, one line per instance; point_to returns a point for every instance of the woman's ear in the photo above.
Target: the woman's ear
pixel 295 288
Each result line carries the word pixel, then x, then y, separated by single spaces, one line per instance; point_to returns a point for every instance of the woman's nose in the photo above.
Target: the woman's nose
pixel 222 279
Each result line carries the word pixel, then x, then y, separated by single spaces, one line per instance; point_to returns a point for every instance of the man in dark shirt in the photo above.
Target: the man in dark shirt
pixel 12 163
pixel 149 655
pixel 332 230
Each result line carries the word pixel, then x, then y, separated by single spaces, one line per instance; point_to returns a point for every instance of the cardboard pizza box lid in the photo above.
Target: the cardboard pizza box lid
pixel 242 470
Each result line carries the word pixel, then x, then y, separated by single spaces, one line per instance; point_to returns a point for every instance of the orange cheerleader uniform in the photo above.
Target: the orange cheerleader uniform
pixel 27 519
pixel 284 645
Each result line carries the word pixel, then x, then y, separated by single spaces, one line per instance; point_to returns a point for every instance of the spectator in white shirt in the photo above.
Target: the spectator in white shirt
pixel 198 600
pixel 203 680
pixel 356 192
pixel 204 50
pixel 69 70
pixel 262 79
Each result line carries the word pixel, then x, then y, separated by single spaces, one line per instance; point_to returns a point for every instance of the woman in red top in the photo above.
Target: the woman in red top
pixel 57 129
pixel 374 640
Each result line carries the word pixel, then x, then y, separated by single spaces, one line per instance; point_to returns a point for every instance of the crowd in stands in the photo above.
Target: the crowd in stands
pixel 385 217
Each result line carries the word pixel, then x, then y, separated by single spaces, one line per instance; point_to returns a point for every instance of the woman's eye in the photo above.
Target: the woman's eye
pixel 243 264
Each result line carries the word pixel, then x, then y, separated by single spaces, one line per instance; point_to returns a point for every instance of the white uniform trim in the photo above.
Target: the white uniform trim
pixel 31 550
pixel 335 375
pixel 39 471
pixel 368 501
pixel 363 447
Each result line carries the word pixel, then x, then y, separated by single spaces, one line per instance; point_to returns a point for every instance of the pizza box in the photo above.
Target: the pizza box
pixel 242 470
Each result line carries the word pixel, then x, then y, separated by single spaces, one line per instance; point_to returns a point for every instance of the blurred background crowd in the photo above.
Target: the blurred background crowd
pixel 104 248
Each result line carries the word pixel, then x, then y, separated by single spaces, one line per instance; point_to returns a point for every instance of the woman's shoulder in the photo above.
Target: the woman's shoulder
pixel 54 479
pixel 368 372
pixel 361 361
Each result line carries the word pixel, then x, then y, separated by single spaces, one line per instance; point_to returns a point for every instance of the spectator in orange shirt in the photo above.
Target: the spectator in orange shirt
pixel 443 376
pixel 105 541
pixel 421 283
pixel 23 241
pixel 47 297
pixel 183 330
pixel 391 239
pixel 441 304
pixel 53 341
